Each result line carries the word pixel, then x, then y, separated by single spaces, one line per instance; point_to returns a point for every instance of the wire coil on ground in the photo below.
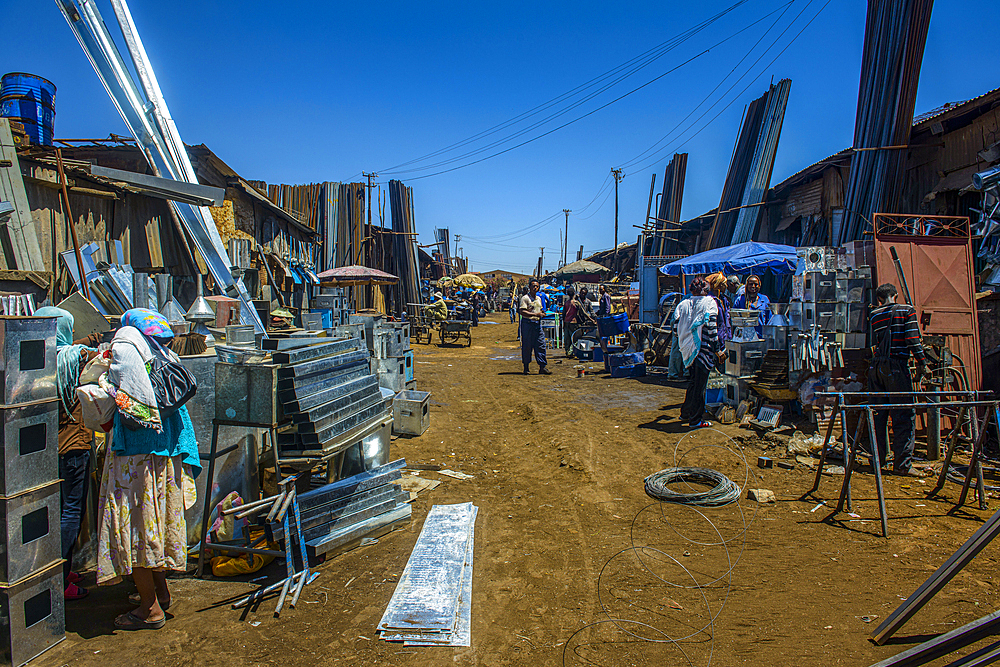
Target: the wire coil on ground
pixel 724 491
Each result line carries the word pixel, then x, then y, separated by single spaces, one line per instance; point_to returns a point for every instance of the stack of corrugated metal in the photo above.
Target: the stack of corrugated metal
pixel 330 393
pixel 337 516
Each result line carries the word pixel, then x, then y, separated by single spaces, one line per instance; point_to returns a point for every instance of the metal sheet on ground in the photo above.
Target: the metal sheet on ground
pixel 428 593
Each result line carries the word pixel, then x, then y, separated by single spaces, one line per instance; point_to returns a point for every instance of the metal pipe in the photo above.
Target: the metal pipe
pixel 84 289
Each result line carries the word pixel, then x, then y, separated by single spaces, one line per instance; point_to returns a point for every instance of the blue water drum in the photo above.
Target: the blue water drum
pixel 30 100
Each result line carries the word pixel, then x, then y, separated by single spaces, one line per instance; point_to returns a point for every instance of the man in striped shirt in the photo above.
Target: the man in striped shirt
pixel 895 336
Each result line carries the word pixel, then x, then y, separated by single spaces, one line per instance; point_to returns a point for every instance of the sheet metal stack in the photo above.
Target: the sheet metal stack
pixel 32 617
pixel 404 263
pixel 327 389
pixel 750 170
pixel 669 211
pixel 432 603
pixel 337 516
pixel 895 34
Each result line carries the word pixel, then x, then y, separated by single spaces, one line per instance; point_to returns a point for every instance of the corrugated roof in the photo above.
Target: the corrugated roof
pixel 956 107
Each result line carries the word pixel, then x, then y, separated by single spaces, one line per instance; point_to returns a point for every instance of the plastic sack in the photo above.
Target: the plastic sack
pixel 224 566
pixel 94 369
pixel 98 407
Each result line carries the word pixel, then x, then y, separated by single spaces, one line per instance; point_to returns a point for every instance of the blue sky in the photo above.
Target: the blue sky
pixel 311 91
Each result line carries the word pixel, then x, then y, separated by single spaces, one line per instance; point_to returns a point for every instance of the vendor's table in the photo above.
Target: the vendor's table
pixel 868 402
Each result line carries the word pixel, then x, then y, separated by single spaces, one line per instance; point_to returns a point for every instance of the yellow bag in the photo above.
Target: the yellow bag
pixel 224 566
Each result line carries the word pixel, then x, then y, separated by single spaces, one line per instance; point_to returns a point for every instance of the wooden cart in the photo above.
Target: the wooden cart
pixel 451 331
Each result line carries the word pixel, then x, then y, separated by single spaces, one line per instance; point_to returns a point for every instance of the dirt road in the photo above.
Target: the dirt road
pixel 558 465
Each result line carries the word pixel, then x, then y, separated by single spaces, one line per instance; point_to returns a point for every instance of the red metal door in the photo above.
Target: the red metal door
pixel 939 273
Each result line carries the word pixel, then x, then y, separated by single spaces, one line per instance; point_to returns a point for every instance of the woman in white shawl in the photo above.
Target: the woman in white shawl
pixel 148 475
pixel 697 338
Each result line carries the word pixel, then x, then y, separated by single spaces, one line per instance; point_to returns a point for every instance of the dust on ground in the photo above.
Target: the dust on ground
pixel 566 539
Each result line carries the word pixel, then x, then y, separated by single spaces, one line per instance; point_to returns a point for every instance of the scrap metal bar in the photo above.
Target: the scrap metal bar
pixel 955 564
pixel 944 644
pixel 190 193
pixel 877 466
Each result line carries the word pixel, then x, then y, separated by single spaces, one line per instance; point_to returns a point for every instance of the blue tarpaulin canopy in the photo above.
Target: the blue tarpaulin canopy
pixel 749 257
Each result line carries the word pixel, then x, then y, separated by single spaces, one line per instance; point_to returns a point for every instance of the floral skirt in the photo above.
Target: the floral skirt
pixel 141 512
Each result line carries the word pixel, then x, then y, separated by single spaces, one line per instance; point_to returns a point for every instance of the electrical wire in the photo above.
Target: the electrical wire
pixel 723 492
pixel 679 145
pixel 645 554
pixel 636 64
pixel 578 118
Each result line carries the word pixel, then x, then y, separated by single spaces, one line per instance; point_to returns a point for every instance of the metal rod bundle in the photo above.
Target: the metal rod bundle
pixel 895 34
pixel 669 210
pixel 750 169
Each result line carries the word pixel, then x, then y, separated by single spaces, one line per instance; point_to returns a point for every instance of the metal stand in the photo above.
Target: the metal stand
pixel 934 403
pixel 213 454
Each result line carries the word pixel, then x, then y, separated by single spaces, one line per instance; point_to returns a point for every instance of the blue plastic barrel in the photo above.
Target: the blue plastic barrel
pixel 31 101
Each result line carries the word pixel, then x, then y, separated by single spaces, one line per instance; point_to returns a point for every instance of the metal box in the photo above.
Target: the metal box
pixel 811 258
pixel 247 393
pixel 855 341
pixel 857 318
pixel 328 302
pixel 744 358
pixel 241 335
pixel 409 366
pixel 341 331
pixel 794 315
pixel 312 321
pixel 411 412
pixel 798 287
pixel 32 616
pixel 775 338
pixel 370 451
pixel 392 373
pixel 829 316
pixel 371 321
pixel 30 539
pixel 820 286
pixel 30 447
pixel 736 391
pixel 28 366
pixel 857 290
pixel 399 341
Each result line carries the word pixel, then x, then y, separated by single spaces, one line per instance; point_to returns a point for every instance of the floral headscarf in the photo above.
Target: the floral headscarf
pixel 149 322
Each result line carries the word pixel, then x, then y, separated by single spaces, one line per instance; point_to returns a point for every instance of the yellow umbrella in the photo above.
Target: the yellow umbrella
pixel 470 280
pixel 445 282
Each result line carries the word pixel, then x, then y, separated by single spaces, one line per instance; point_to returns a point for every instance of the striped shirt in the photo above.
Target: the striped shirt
pixel 709 343
pixel 901 321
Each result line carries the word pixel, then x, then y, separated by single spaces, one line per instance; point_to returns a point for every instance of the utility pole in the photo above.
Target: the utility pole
pixel 618 177
pixel 566 235
pixel 541 261
pixel 458 237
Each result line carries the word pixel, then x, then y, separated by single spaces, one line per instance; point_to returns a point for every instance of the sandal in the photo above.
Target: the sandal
pixel 129 621
pixel 136 599
pixel 704 424
pixel 74 592
pixel 74 578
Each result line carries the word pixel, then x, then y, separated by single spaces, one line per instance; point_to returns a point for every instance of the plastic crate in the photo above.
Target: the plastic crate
pixel 613 325
pixel 630 371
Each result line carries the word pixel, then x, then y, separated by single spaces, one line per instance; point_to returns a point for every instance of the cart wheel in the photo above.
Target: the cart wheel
pixel 442 335
pixel 469 344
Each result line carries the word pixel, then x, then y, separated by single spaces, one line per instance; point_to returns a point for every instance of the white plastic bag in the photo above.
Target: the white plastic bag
pixel 98 407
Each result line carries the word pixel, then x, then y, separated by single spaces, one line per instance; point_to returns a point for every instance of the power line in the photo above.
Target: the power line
pixel 644 59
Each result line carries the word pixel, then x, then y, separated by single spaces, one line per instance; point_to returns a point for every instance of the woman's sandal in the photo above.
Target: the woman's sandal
pixel 136 599
pixel 704 424
pixel 129 621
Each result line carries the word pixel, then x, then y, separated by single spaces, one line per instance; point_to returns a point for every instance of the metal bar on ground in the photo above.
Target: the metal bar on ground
pixel 944 644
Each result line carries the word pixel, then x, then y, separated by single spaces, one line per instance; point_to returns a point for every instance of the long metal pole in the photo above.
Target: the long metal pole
pixel 614 262
pixel 72 228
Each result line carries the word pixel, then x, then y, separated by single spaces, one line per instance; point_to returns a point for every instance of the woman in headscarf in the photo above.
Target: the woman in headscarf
pixel 147 481
pixel 74 442
pixel 697 339
pixel 718 284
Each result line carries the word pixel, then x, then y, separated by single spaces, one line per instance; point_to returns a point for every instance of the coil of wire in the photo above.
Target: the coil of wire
pixel 723 491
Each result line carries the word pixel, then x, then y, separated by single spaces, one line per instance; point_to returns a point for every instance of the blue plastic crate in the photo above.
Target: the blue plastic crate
pixel 715 396
pixel 630 371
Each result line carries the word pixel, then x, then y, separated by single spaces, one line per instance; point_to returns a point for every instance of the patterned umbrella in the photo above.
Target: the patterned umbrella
pixel 469 280
pixel 356 275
